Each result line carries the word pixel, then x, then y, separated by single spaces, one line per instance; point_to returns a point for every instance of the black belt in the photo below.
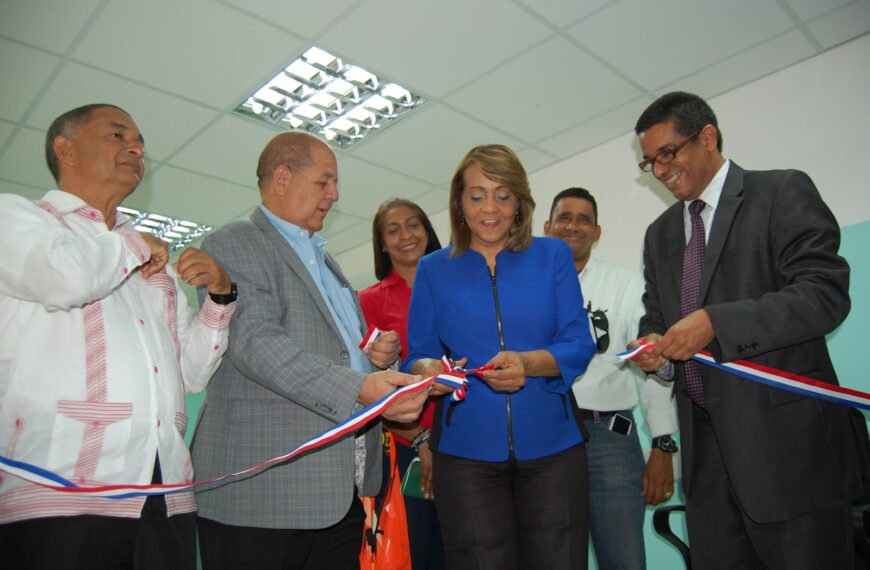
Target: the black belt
pixel 589 415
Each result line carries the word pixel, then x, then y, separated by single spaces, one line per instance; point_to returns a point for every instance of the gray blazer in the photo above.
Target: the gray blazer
pixel 774 286
pixel 286 377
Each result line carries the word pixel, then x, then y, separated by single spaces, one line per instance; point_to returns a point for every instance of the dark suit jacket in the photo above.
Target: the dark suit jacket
pixel 284 379
pixel 774 286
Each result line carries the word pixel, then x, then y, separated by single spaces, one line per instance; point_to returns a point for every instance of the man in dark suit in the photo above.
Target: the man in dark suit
pixel 768 475
pixel 293 369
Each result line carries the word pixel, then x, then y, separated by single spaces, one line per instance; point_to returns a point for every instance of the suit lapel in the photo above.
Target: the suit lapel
pixel 288 254
pixel 674 236
pixel 729 203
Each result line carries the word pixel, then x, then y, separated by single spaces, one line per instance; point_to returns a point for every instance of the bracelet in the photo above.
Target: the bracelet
pixel 421 439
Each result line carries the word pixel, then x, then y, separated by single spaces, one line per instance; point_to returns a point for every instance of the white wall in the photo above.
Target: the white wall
pixel 814 116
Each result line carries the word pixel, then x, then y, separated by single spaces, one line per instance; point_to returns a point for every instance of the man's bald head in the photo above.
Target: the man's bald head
pixel 292 150
pixel 298 179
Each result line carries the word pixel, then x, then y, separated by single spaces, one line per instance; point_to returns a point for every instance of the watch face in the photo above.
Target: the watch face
pixel 665 443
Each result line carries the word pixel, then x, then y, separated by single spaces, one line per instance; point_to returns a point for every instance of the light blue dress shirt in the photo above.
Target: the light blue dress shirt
pixel 339 299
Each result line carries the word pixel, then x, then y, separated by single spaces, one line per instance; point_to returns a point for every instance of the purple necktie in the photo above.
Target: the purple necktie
pixel 693 262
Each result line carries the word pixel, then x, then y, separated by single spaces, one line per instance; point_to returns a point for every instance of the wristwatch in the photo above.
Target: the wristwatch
pixel 225 298
pixel 421 439
pixel 666 443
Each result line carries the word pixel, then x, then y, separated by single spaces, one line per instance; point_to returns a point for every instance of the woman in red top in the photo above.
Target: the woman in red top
pixel 401 235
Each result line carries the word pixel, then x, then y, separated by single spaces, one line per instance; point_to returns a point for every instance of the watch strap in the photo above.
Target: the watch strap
pixel 225 298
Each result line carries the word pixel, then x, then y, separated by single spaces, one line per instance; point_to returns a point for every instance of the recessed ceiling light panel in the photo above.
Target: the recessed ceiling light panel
pixel 321 94
pixel 177 233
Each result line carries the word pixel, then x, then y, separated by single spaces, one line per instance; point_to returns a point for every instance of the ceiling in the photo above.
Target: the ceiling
pixel 550 78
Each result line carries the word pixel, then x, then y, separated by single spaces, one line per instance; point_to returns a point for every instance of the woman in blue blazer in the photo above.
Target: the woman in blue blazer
pixel 509 466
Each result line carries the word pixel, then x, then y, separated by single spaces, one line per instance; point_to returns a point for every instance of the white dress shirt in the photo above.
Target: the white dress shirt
pixel 609 384
pixel 94 359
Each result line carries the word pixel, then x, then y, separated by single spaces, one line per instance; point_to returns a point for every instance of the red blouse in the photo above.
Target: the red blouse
pixel 385 305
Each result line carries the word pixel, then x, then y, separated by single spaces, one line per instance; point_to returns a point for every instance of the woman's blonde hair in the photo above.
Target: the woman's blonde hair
pixel 498 163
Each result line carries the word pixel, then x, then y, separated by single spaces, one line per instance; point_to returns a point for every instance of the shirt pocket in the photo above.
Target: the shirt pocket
pixel 90 439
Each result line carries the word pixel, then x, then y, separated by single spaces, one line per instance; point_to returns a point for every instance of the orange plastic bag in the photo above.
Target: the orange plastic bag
pixel 385 537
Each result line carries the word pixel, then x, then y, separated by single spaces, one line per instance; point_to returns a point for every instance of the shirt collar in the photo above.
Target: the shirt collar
pixel 67 203
pixel 713 191
pixel 392 279
pixel 589 263
pixel 292 232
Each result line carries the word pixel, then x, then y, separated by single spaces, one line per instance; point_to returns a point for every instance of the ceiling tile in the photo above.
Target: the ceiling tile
pixel 8 187
pixel 228 149
pixel 52 24
pixel 363 186
pixel 307 23
pixel 177 193
pixel 5 130
pixel 432 201
pixel 809 9
pixel 24 160
pixel 662 41
pixel 842 25
pixel 337 221
pixel 359 233
pixel 30 69
pixel 744 67
pixel 217 55
pixel 428 144
pixel 165 121
pixel 562 13
pixel 533 159
pixel 535 96
pixel 434 47
pixel 596 130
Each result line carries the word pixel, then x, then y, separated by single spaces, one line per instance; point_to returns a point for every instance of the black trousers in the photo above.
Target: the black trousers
pixel 722 536
pixel 228 547
pixel 91 542
pixel 154 541
pixel 514 514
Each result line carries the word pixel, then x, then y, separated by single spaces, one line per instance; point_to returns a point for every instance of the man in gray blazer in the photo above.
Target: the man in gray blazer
pixel 768 475
pixel 293 369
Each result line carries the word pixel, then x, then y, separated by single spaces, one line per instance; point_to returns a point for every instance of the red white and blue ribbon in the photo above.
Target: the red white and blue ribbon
pixel 369 339
pixel 453 377
pixel 776 378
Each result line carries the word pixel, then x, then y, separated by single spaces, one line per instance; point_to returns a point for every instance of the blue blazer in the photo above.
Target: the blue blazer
pixel 453 311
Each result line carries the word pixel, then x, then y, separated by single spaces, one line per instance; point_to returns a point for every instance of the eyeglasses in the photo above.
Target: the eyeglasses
pixel 667 155
pixel 599 322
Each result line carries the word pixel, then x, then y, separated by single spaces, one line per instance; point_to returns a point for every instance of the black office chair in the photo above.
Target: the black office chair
pixel 662 526
pixel 860 526
pixel 860 509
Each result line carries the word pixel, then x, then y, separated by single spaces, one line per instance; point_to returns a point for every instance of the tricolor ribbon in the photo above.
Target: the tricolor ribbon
pixel 370 337
pixel 451 370
pixel 776 378
pixel 453 378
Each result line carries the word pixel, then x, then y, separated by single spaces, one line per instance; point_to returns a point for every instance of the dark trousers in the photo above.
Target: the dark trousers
pixel 91 542
pixel 514 514
pixel 227 547
pixel 721 535
pixel 154 541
